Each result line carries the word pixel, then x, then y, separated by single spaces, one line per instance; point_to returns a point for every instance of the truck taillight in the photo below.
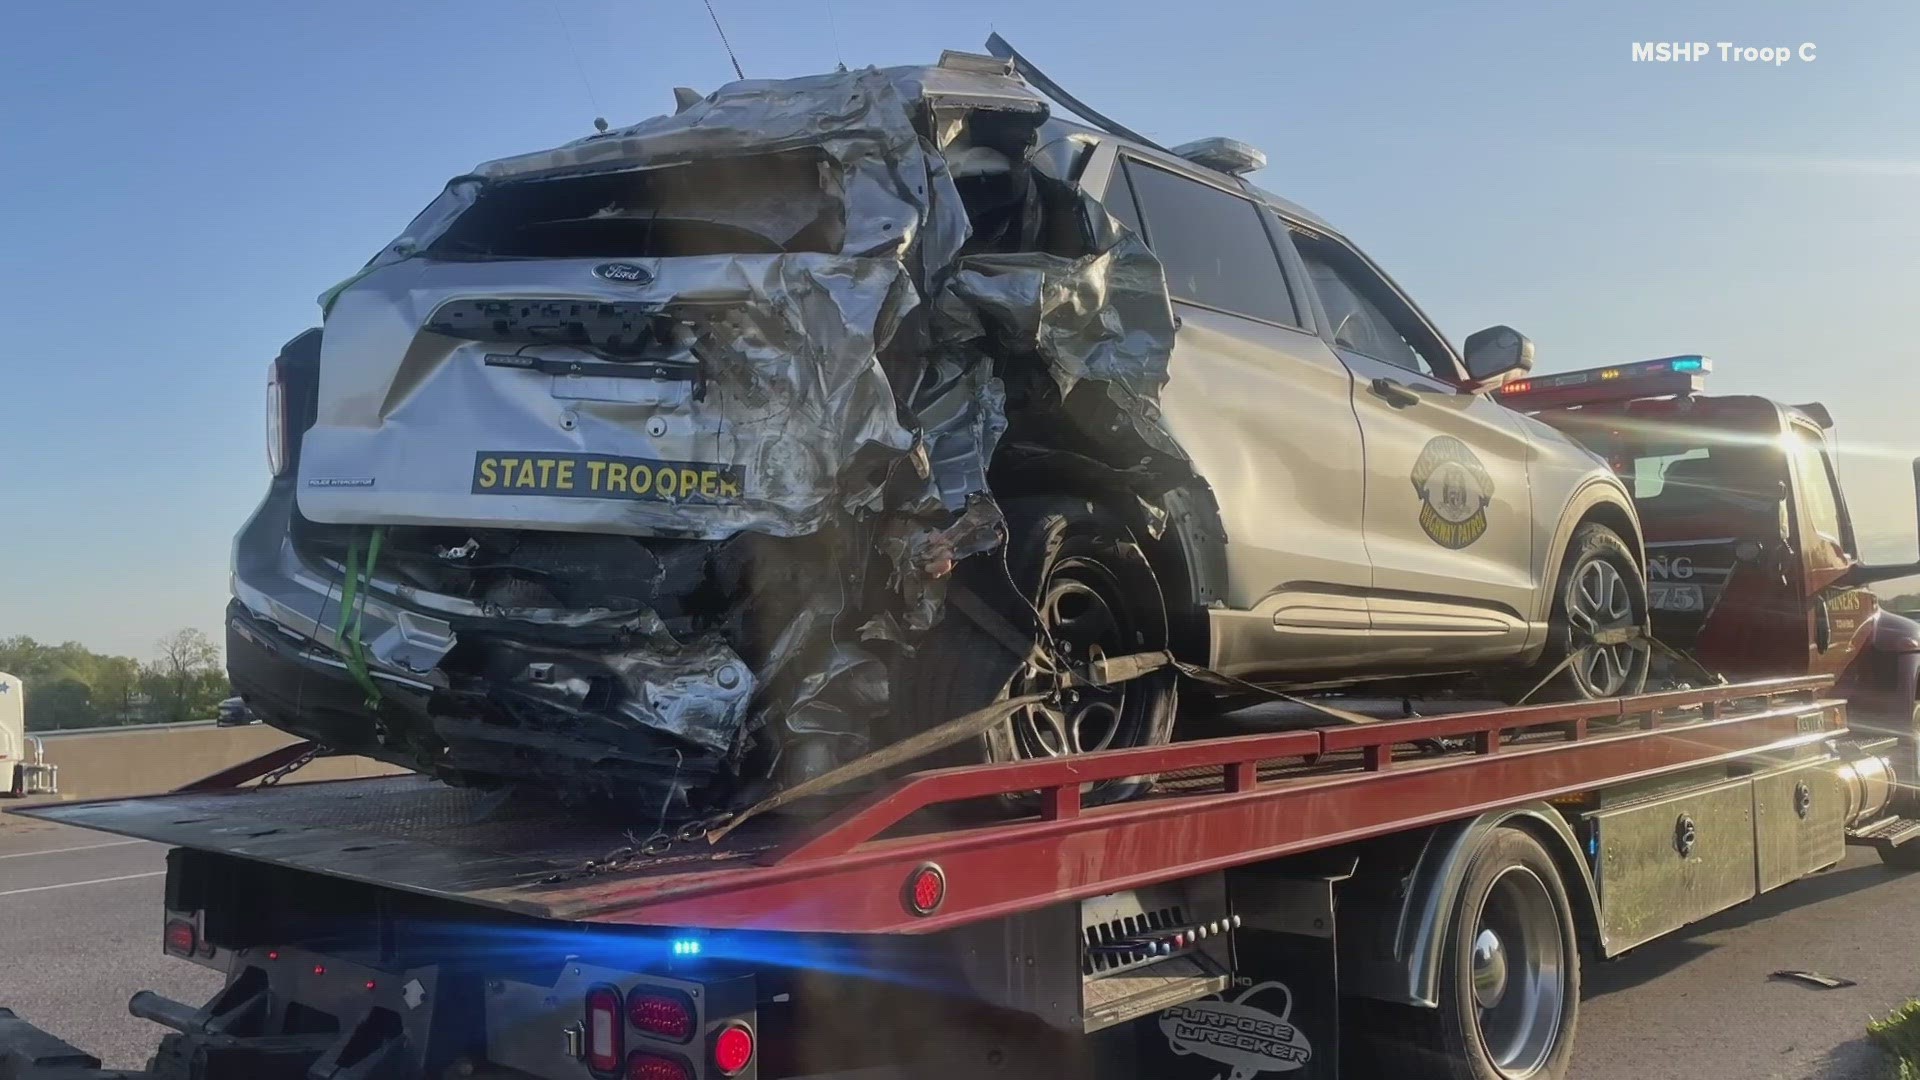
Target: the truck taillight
pixel 277 455
pixel 180 937
pixel 663 1014
pixel 606 1036
pixel 733 1049
pixel 645 1066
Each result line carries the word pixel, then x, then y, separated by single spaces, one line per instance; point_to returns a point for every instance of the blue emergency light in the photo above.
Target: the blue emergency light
pixel 1665 377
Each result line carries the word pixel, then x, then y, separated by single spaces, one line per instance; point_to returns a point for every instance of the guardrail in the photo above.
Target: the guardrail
pixel 143 759
pixel 60 733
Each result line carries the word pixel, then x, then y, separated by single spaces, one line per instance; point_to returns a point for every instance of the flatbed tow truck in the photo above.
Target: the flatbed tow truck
pixel 1405 897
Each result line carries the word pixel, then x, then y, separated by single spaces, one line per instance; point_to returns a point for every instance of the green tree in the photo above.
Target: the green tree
pixel 116 688
pixel 186 675
pixel 71 686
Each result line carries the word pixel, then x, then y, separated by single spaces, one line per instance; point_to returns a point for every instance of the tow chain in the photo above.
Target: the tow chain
pixel 657 846
pixel 291 767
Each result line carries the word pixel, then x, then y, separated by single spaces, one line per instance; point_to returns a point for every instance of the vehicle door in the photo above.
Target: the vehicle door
pixel 1449 510
pixel 1838 615
pixel 1264 409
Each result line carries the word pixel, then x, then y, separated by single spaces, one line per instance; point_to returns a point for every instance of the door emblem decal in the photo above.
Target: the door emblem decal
pixel 1249 1040
pixel 1454 489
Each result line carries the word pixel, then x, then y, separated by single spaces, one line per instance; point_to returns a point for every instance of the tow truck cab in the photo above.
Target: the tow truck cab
pixel 1752 560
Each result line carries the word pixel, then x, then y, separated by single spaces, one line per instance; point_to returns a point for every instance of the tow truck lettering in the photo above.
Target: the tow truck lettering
pixel 1851 600
pixel 1677 566
pixel 1239 1034
pixel 601 476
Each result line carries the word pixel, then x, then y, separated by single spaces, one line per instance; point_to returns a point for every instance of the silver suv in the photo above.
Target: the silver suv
pixel 700 455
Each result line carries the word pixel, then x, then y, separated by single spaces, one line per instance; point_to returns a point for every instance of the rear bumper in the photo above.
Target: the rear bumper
pixel 278 588
pixel 302 690
pixel 574 707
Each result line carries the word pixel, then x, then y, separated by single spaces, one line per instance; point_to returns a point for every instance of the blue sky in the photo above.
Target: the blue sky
pixel 182 179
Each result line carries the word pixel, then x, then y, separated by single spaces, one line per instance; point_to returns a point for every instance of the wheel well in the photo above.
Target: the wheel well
pixel 1177 525
pixel 1406 887
pixel 1574 876
pixel 1615 517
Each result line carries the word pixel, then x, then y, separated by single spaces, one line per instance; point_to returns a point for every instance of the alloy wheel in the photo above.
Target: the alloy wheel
pixel 1601 600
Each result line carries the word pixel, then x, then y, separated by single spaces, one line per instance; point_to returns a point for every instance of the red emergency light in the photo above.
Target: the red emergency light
pixel 1665 377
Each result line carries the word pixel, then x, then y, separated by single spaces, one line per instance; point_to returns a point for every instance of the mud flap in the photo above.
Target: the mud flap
pixel 1281 1017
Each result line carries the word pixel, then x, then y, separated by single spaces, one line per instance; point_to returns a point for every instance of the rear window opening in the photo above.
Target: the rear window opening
pixel 760 205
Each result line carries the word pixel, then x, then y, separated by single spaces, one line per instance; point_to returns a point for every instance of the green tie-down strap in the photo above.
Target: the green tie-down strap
pixel 353 604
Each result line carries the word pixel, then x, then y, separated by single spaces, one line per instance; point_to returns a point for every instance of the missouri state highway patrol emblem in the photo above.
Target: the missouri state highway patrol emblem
pixel 1454 490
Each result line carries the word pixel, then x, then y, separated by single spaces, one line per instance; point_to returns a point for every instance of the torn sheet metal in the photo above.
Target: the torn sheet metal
pixel 1103 317
pixel 923 558
pixel 900 201
pixel 782 393
pixel 961 409
pixel 845 379
pixel 697 695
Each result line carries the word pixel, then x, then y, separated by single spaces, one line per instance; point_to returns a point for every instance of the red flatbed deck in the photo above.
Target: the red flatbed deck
pixel 1222 802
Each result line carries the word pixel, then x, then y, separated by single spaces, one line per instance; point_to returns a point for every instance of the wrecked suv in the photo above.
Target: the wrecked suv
pixel 695 457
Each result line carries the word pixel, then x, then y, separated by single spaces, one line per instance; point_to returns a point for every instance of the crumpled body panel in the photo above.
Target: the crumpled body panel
pixel 418 427
pixel 797 320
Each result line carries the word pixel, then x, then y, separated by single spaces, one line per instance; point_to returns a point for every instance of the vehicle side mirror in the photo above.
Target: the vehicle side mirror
pixel 1496 353
pixel 1863 574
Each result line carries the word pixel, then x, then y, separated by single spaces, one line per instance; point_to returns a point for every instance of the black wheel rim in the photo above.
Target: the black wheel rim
pixel 1084 619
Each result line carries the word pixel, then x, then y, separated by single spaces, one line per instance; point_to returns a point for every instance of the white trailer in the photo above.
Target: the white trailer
pixel 23 767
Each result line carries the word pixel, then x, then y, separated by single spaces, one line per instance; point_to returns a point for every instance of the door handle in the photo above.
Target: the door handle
pixel 1396 395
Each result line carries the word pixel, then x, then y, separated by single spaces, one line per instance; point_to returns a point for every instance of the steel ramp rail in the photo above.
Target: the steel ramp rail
pixel 1236 801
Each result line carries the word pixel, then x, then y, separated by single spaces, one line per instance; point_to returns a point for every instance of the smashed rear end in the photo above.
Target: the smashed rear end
pixel 632 466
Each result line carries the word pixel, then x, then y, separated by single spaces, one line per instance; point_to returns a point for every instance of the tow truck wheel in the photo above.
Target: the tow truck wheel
pixel 1600 597
pixel 1086 591
pixel 1509 988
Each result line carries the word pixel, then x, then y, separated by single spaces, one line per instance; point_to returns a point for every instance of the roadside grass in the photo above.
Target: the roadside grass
pixel 1898 1033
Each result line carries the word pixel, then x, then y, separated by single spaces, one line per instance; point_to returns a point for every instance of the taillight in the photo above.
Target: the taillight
pixel 606 1037
pixel 662 1014
pixel 181 937
pixel 645 1066
pixel 926 889
pixel 276 419
pixel 733 1049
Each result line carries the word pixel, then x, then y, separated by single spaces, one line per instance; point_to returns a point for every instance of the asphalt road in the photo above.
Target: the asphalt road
pixel 79 933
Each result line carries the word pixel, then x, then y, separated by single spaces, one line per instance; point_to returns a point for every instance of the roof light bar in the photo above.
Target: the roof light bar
pixel 1230 156
pixel 1665 377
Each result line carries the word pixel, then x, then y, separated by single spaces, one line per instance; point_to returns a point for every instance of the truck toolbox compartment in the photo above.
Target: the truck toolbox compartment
pixel 1799 819
pixel 1663 864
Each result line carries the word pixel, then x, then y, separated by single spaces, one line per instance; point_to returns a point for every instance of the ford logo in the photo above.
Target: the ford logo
pixel 625 273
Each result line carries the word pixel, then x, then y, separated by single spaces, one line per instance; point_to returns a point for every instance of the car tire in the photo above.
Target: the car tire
pixel 1080 570
pixel 1509 986
pixel 1599 587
